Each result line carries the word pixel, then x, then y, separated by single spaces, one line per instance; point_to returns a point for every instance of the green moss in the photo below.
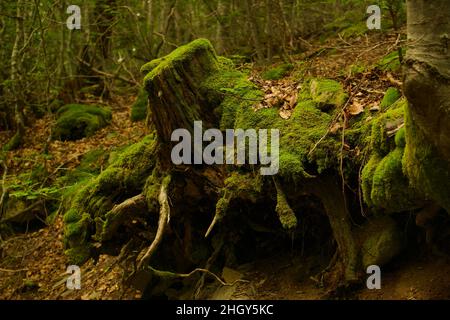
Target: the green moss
pixel 356 69
pixel 325 93
pixel 381 142
pixel 124 178
pixel 78 255
pixel 241 186
pixel 381 241
pixel 367 178
pixel 278 72
pixel 244 185
pixel 139 108
pixel 390 62
pixel 72 216
pixel 357 29
pixel 425 168
pixel 231 91
pixel 390 97
pixel 285 213
pixel 390 187
pixel 400 138
pixel 179 56
pixel 76 232
pixel 75 121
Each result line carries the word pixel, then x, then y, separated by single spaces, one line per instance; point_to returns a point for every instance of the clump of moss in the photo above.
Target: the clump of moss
pixel 285 213
pixel 139 108
pixel 356 69
pixel 76 121
pixel 325 93
pixel 390 62
pixel 384 182
pixel 201 49
pixel 382 126
pixel 390 187
pixel 231 91
pixel 124 178
pixel 298 135
pixel 78 255
pixel 356 29
pixel 381 240
pixel 278 72
pixel 390 97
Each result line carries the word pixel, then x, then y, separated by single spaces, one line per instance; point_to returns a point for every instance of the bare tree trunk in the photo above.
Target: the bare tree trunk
pixel 16 140
pixel 251 16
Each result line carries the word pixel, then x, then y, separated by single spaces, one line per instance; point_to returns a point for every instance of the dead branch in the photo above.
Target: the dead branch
pixel 106 74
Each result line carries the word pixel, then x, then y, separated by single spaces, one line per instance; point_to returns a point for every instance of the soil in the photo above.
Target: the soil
pixel 33 266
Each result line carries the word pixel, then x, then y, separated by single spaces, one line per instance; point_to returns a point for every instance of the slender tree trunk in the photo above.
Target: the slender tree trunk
pixel 16 91
pixel 269 30
pixel 254 29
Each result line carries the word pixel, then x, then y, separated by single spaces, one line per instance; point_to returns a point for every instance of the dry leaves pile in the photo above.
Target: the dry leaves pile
pixel 281 94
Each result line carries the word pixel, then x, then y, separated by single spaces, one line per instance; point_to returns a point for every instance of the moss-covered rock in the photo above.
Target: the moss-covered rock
pixel 139 108
pixel 381 240
pixel 76 121
pixel 278 72
pixel 325 93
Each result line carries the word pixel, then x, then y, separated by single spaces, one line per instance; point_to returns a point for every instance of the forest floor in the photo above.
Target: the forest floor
pixel 33 264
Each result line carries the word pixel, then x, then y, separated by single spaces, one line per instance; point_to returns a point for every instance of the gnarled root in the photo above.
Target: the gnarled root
pixel 164 218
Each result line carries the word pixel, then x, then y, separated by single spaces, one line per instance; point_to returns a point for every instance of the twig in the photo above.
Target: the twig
pixel 107 75
pixel 13 271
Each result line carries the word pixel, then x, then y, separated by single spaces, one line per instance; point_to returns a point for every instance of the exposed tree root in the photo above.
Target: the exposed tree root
pixel 164 217
pixel 129 206
pixel 171 276
pixel 285 213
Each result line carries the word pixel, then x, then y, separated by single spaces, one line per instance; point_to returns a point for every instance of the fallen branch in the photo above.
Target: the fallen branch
pixel 28 209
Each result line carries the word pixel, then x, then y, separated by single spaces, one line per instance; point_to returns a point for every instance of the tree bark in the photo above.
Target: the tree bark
pixel 427 87
pixel 427 75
